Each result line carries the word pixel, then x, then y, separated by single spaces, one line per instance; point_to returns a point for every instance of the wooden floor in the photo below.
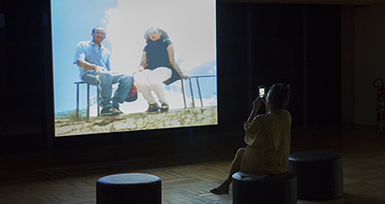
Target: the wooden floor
pixel 188 180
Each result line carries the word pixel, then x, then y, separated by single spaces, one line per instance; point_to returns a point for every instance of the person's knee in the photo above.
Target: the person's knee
pixel 139 78
pixel 155 83
pixel 126 79
pixel 91 79
pixel 104 76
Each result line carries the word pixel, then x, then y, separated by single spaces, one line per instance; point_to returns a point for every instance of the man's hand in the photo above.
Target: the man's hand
pixel 99 69
pixel 86 65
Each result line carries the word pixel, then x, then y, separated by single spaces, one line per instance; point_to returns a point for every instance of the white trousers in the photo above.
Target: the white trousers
pixel 148 80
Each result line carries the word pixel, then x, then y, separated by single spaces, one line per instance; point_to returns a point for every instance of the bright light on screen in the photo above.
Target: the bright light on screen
pixel 191 26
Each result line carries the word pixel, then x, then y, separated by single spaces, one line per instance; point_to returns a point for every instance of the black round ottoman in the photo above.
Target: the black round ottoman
pixel 319 174
pixel 271 189
pixel 129 188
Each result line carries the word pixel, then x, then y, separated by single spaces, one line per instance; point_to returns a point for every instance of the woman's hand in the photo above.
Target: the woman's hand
pixel 266 105
pixel 183 76
pixel 140 69
pixel 263 99
pixel 171 58
pixel 143 62
pixel 257 103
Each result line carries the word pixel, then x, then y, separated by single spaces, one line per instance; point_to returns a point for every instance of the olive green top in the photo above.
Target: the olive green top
pixel 268 143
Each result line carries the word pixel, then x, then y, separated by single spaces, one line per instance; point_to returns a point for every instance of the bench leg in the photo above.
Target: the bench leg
pixel 88 100
pixel 77 100
pixel 97 99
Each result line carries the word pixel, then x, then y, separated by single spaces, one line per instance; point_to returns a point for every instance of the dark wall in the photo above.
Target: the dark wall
pixel 22 106
pixel 322 68
pixel 299 45
pixel 257 44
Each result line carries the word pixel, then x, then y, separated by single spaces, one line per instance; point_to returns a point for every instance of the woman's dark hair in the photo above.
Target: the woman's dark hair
pixel 163 33
pixel 279 97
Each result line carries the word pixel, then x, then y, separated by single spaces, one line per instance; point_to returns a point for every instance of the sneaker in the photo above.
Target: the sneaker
pixel 119 111
pixel 116 106
pixel 164 107
pixel 153 108
pixel 110 111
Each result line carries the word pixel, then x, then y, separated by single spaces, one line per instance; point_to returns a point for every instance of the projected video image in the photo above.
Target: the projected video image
pixel 130 65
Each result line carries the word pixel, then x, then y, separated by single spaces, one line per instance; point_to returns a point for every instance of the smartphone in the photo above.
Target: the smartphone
pixel 261 91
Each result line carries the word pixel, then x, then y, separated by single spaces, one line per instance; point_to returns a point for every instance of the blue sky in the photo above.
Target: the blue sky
pixel 190 24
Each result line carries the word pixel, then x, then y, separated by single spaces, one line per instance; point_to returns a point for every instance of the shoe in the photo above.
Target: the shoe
pixel 153 108
pixel 164 107
pixel 110 111
pixel 116 107
pixel 220 190
pixel 119 111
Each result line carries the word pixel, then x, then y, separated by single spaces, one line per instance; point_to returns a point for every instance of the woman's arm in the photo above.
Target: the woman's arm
pixel 143 61
pixel 250 127
pixel 256 106
pixel 171 57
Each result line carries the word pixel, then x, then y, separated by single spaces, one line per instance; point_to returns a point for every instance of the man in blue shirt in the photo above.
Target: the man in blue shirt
pixel 94 62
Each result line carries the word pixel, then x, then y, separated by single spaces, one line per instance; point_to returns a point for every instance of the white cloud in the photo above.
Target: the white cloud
pixel 190 24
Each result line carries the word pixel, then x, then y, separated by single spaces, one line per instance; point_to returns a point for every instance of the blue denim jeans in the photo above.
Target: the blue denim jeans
pixel 104 81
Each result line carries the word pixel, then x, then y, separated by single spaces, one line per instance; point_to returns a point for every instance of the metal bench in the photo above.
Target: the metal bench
pixel 78 83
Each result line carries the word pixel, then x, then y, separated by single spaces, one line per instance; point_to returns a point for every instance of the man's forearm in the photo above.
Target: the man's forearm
pixel 85 65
